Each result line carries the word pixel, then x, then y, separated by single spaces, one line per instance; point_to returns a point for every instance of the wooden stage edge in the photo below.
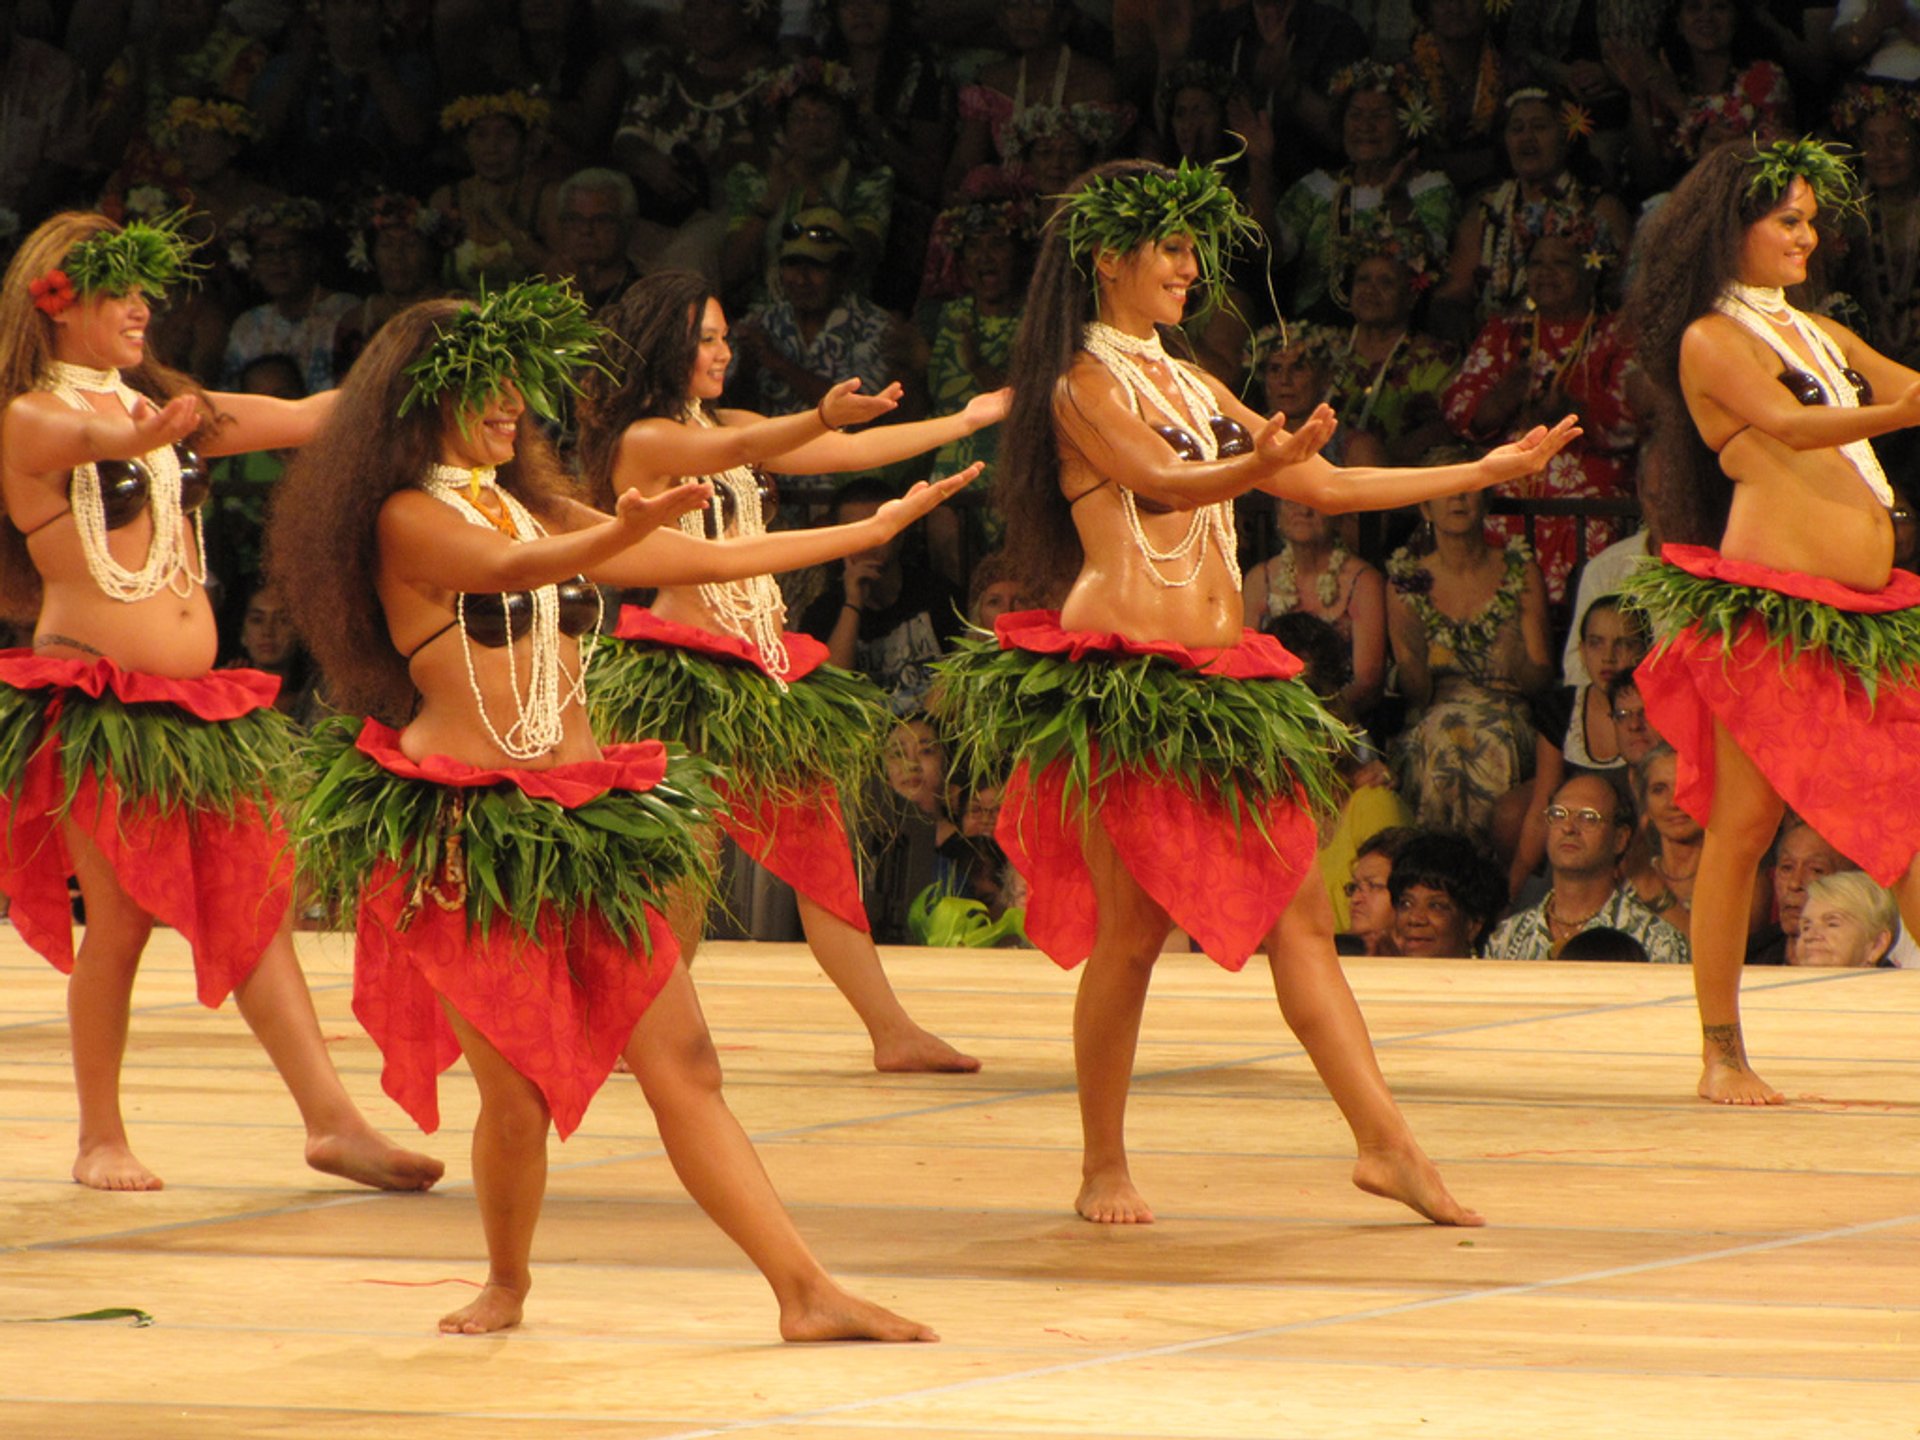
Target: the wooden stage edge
pixel 1654 1266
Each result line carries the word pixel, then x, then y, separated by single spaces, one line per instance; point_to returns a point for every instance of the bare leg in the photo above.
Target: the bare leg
pixel 673 1056
pixel 275 1003
pixel 1319 1008
pixel 509 1181
pixel 1746 813
pixel 851 962
pixel 1106 1031
pixel 99 998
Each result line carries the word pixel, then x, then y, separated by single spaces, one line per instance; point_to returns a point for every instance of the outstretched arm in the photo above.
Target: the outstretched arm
pixel 1722 365
pixel 41 435
pixel 1334 490
pixel 667 557
pixel 657 449
pixel 884 444
pixel 261 422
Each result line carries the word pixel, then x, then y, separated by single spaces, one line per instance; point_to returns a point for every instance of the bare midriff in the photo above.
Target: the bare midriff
pixel 166 634
pixel 1804 510
pixel 448 721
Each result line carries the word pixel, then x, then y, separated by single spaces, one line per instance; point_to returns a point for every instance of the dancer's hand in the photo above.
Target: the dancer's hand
pixel 922 499
pixel 641 514
pixel 1280 446
pixel 1530 453
pixel 149 428
pixel 988 409
pixel 844 406
pixel 1906 405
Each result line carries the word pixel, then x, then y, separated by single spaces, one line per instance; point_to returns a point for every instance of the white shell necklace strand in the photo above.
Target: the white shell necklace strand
pixel 1762 312
pixel 169 565
pixel 750 609
pixel 1123 355
pixel 539 724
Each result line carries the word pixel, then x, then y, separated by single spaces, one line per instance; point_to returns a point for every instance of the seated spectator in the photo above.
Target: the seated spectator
pixel 1456 56
pixel 594 219
pixel 278 248
pixel 1630 721
pixel 269 642
pixel 1391 378
pixel 503 201
pixel 1445 892
pixel 1568 355
pixel 1847 920
pixel 1379 174
pixel 1605 574
pixel 907 828
pixel 814 166
pixel 1363 905
pixel 791 351
pixel 1294 371
pixel 1801 855
pixel 1604 943
pixel 1661 877
pixel 994 590
pixel 406 246
pixel 1468 625
pixel 1314 574
pixel 1588 826
pixel 883 619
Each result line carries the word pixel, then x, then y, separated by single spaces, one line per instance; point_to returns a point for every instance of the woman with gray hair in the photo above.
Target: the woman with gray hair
pixel 1848 920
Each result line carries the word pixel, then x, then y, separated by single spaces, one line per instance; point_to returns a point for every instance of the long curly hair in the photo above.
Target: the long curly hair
pixel 26 353
pixel 1041 538
pixel 1686 253
pixel 322 531
pixel 653 336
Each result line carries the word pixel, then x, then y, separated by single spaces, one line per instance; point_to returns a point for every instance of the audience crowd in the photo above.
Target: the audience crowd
pixel 1448 191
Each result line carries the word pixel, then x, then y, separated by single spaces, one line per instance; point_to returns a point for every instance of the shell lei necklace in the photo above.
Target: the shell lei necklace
pixel 1123 355
pixel 1764 312
pixel 539 712
pixel 750 609
pixel 169 564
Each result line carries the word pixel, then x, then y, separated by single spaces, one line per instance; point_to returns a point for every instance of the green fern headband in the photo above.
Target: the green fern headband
pixel 150 256
pixel 1822 166
pixel 1123 212
pixel 534 336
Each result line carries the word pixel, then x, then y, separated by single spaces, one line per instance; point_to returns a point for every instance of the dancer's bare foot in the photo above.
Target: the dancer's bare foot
pixel 919 1049
pixel 1726 1084
pixel 113 1167
pixel 367 1157
pixel 496 1307
pixel 1107 1197
pixel 823 1311
pixel 1725 1076
pixel 1404 1173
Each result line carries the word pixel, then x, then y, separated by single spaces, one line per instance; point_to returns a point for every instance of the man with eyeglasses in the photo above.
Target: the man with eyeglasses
pixel 597 209
pixel 1589 824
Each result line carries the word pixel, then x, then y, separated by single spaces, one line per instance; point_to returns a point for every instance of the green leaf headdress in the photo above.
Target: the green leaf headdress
pixel 534 335
pixel 1122 212
pixel 148 256
pixel 1821 165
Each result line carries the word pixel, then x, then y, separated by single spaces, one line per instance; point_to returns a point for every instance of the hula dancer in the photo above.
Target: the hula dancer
pixel 508 872
pixel 713 667
pixel 1786 669
pixel 125 759
pixel 1163 763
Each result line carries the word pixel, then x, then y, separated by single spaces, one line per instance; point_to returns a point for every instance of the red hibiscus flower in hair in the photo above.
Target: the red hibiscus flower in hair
pixel 52 292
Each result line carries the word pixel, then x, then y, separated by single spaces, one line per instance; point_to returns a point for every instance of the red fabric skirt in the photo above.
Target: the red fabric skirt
pixel 1848 764
pixel 1218 878
pixel 224 881
pixel 802 839
pixel 559 1004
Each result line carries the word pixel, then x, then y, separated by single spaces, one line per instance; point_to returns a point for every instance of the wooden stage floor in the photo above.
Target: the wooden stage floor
pixel 1654 1266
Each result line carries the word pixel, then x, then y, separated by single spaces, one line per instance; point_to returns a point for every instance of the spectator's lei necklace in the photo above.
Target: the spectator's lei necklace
pixel 538 726
pixel 1122 354
pixel 169 565
pixel 1283 579
pixel 749 609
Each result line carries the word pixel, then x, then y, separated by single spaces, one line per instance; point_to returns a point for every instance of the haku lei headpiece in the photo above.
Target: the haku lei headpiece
pixel 1123 212
pixel 534 335
pixel 189 112
pixel 1094 126
pixel 150 257
pixel 829 77
pixel 392 211
pixel 1375 233
pixel 528 110
pixel 1822 166
pixel 1413 108
pixel 1861 100
pixel 1321 346
pixel 1582 228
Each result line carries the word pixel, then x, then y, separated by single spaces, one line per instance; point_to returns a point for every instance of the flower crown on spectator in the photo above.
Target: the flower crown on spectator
pixel 812 73
pixel 1376 234
pixel 991 200
pixel 1576 121
pixel 1822 166
pixel 393 211
pixel 146 202
pixel 1321 346
pixel 1742 109
pixel 1861 100
pixel 1223 85
pixel 1120 213
pixel 227 117
pixel 292 212
pixel 534 336
pixel 1095 126
pixel 525 108
pixel 148 257
pixel 1580 226
pixel 1413 108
